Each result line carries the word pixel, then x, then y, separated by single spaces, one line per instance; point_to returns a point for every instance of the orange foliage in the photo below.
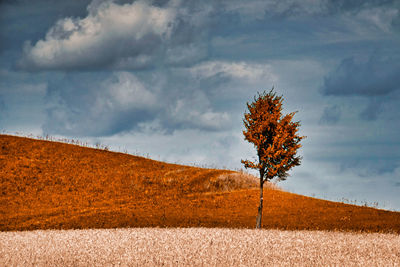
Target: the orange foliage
pixel 49 185
pixel 273 135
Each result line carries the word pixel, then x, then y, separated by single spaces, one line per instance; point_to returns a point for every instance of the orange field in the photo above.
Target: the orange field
pixel 51 185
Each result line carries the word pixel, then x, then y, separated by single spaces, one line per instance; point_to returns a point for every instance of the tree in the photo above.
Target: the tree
pixel 275 138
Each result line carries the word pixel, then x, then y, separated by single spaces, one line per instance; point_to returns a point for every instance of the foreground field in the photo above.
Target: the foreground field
pixel 50 185
pixel 197 247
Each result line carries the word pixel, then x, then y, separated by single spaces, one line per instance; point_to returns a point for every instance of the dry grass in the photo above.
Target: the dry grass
pixel 197 247
pixel 49 185
pixel 232 181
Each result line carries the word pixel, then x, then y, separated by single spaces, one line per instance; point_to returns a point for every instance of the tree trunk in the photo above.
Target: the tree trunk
pixel 260 207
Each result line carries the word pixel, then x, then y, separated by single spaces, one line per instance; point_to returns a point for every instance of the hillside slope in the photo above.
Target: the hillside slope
pixel 50 185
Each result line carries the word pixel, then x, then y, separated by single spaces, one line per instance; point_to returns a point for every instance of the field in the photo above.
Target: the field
pixel 50 185
pixel 197 247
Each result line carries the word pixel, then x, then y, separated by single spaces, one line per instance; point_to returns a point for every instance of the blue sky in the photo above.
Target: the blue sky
pixel 171 79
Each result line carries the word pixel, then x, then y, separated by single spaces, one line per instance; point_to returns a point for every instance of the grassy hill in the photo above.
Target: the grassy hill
pixel 51 185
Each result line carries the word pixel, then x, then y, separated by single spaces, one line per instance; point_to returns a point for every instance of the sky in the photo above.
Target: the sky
pixel 171 79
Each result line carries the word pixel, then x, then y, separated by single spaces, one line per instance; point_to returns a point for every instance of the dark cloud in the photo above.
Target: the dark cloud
pixel 377 76
pixel 82 105
pixel 331 115
pixel 376 79
pixel 17 18
pixel 373 109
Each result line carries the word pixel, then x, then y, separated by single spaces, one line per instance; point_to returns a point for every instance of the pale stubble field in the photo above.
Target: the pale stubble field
pixel 197 247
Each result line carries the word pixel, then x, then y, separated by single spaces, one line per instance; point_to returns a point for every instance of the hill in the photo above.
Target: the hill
pixel 51 185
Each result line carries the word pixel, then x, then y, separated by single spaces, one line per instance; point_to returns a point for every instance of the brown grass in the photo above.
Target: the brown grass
pixel 49 185
pixel 197 247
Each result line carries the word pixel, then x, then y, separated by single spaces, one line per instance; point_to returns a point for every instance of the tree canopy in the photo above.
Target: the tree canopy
pixel 273 135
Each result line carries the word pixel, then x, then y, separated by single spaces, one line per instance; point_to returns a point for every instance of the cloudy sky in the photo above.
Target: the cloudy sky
pixel 171 79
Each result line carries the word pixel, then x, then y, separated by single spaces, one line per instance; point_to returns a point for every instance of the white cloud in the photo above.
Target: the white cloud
pixel 196 111
pixel 114 35
pixel 368 23
pixel 185 54
pixel 235 70
pixel 258 8
pixel 123 92
pixel 129 92
pixel 377 18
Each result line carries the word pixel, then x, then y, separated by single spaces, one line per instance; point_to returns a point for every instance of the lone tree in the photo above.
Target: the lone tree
pixel 275 138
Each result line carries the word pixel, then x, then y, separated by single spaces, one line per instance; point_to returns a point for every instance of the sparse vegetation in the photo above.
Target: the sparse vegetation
pixel 197 247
